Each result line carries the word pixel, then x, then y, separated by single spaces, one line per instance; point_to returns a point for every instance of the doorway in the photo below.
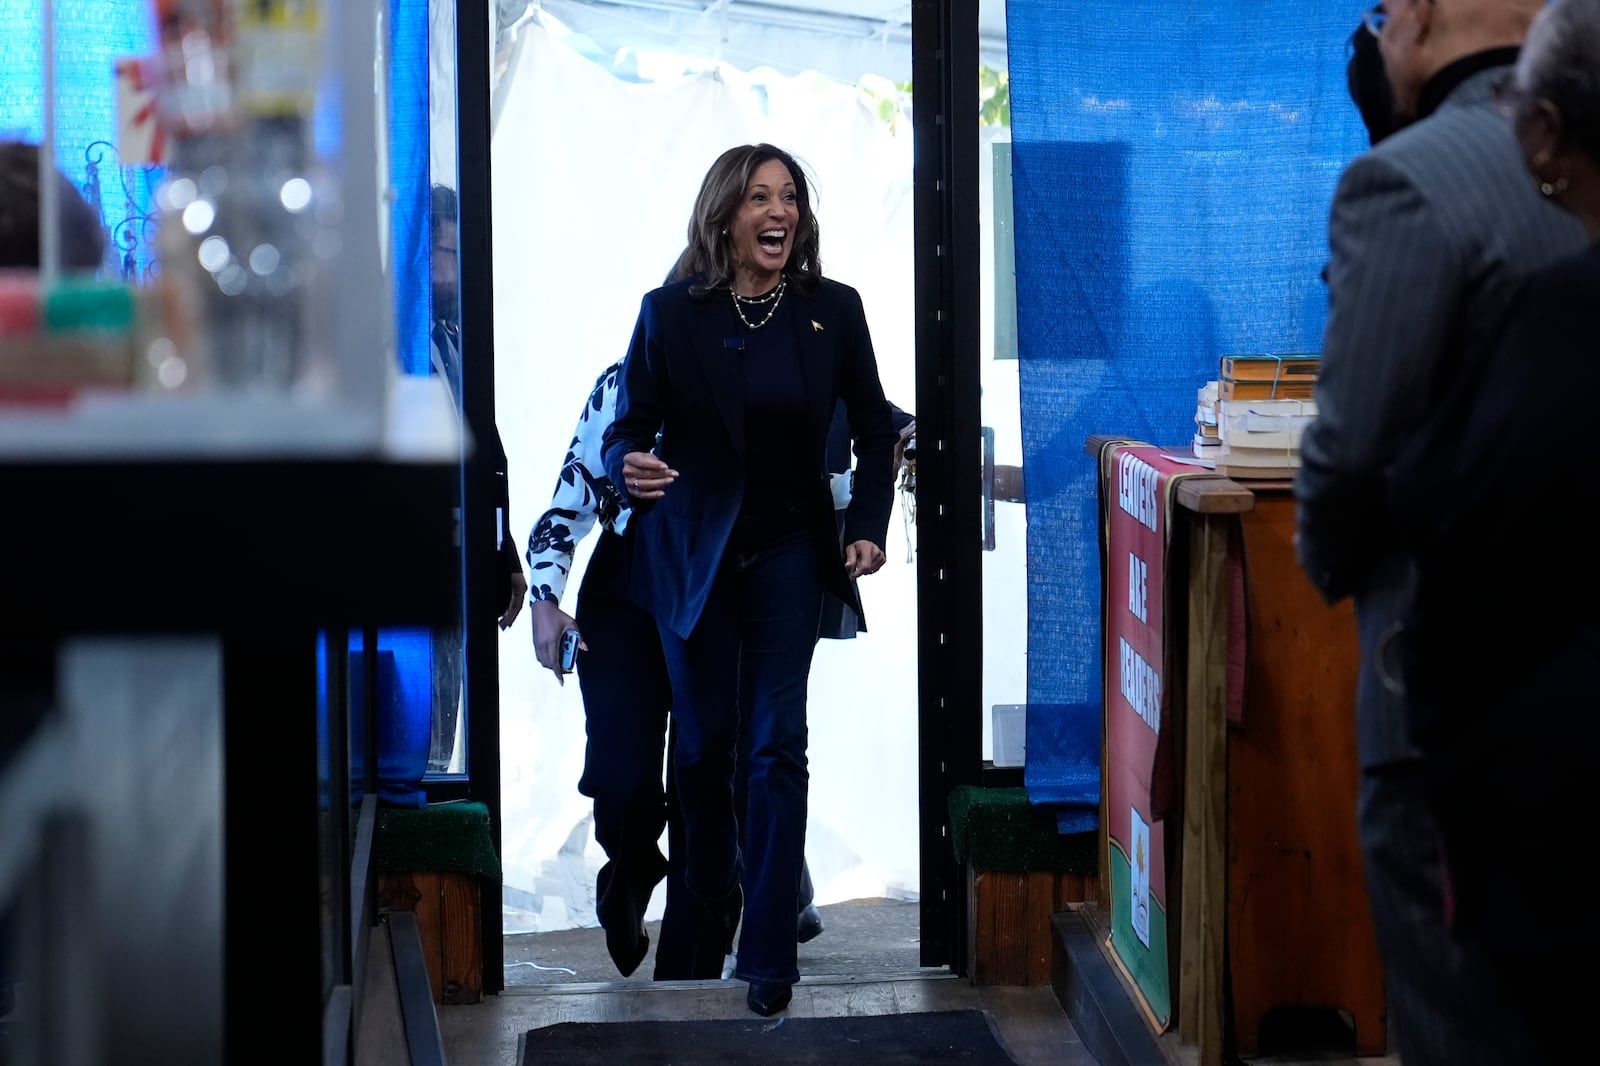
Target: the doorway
pixel 597 151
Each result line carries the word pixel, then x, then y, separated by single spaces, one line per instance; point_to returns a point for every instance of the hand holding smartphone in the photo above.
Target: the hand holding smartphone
pixel 569 650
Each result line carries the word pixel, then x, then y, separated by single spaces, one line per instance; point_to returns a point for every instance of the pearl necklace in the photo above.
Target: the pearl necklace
pixel 774 297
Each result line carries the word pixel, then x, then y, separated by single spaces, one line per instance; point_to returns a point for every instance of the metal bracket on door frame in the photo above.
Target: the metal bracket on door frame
pixel 1003 483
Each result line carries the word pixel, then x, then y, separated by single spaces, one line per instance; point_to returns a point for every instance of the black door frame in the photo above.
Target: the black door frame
pixel 944 118
pixel 474 60
pixel 945 61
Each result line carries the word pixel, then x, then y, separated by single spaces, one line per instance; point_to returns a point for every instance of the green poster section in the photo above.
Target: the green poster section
pixel 1146 965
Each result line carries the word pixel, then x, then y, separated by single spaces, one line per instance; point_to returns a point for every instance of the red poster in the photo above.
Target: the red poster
pixel 1137 482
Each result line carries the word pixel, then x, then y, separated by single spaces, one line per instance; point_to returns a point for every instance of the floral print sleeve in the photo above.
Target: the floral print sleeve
pixel 583 496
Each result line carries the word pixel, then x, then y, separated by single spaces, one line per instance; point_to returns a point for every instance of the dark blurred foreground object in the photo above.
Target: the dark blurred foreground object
pixel 82 240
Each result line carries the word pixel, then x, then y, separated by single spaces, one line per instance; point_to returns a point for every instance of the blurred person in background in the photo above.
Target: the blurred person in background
pixel 1500 652
pixel 1431 235
pixel 445 359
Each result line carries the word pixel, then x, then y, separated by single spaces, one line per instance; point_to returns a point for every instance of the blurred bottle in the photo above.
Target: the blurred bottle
pixel 244 206
pixel 197 79
pixel 197 113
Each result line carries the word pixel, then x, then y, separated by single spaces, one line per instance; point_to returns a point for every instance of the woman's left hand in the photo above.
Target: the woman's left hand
pixel 645 476
pixel 862 557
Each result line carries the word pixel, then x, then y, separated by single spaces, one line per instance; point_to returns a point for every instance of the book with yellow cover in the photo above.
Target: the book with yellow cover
pixel 1292 366
pixel 1296 389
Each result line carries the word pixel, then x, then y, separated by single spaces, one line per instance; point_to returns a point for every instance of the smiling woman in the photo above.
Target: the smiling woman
pixel 752 222
pixel 734 548
pixel 762 234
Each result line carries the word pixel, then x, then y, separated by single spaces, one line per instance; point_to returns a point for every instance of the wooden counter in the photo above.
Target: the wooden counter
pixel 1299 928
pixel 1269 897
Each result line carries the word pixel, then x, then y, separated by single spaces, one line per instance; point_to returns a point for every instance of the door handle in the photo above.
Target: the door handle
pixel 1003 483
pixel 988 488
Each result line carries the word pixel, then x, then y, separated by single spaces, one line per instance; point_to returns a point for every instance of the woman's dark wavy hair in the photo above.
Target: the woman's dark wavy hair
pixel 82 239
pixel 708 257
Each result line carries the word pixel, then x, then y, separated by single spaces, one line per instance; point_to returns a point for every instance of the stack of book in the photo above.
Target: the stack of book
pixel 1268 377
pixel 1207 430
pixel 1264 403
pixel 1261 438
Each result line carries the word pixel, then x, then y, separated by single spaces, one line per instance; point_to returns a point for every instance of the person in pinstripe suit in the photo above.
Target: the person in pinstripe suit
pixel 1431 234
pixel 1470 502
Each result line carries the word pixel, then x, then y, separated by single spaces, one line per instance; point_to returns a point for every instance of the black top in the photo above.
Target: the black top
pixel 777 490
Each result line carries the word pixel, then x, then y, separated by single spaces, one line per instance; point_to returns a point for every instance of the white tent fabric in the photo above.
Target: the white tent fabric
pixel 594 178
pixel 841 39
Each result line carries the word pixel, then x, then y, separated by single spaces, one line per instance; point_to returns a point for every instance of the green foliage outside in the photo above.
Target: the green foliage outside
pixel 994 97
pixel 994 100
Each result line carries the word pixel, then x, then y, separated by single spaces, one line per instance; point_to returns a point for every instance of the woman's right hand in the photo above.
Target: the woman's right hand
pixel 549 623
pixel 646 475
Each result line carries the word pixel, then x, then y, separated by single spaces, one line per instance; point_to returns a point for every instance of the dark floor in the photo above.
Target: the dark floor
pixel 864 936
pixel 1029 1021
pixel 864 962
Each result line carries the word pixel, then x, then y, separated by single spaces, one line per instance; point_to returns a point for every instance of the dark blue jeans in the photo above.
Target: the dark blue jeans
pixel 626 695
pixel 758 630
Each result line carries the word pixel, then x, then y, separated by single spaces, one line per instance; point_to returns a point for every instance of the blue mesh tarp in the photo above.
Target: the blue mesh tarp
pixel 404 714
pixel 409 176
pixel 1173 164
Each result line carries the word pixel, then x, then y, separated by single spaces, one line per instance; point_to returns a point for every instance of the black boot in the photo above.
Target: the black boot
pixel 767 998
pixel 714 928
pixel 809 924
pixel 620 902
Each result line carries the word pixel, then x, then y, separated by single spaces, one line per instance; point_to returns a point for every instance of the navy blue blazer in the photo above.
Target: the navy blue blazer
pixel 680 381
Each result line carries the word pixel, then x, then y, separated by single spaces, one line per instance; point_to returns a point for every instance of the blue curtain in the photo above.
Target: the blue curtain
pixel 91 35
pixel 408 711
pixel 410 170
pixel 404 715
pixel 1173 165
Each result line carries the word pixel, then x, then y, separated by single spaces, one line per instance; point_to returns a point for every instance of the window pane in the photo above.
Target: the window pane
pixel 1005 562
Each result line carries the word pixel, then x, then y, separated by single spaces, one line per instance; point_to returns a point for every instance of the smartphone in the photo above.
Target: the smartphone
pixel 569 650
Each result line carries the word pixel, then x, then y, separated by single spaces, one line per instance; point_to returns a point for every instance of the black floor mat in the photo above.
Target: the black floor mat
pixel 964 1036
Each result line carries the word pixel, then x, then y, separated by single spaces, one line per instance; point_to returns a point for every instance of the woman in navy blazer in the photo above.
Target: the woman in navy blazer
pixel 728 389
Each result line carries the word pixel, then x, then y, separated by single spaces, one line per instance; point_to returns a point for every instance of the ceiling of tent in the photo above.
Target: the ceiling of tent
pixel 843 39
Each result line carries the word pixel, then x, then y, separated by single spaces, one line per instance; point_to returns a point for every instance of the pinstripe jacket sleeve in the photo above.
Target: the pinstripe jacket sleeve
pixel 1395 288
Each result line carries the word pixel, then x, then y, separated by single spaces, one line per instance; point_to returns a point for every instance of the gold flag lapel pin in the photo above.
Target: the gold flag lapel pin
pixel 816 326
